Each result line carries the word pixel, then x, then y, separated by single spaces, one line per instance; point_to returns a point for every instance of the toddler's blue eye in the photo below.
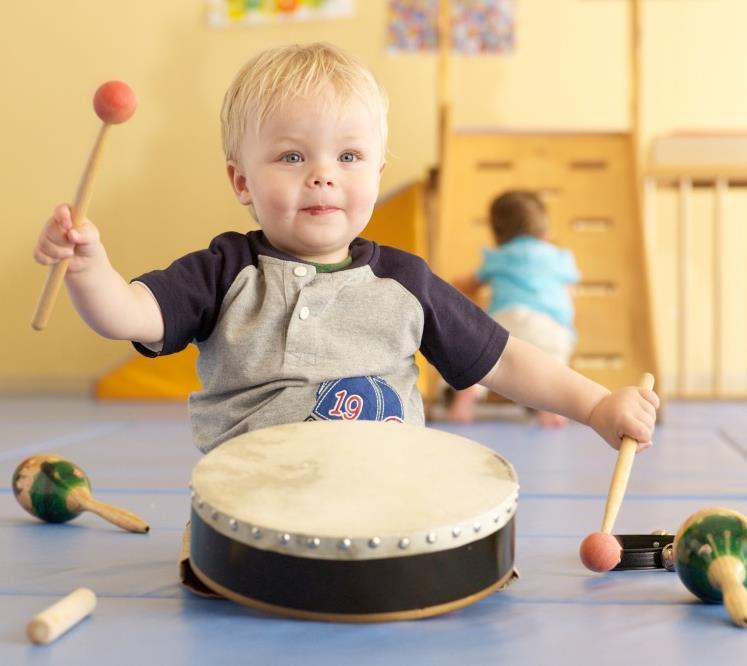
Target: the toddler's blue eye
pixel 348 157
pixel 293 158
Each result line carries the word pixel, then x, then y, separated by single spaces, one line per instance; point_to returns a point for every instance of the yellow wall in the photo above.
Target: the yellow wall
pixel 162 190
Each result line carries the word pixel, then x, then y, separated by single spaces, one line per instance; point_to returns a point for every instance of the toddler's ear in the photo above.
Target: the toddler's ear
pixel 238 182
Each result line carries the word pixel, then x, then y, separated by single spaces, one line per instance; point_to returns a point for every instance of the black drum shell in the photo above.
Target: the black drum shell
pixel 396 586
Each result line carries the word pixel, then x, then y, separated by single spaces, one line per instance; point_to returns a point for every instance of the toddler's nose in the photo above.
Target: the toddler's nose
pixel 320 178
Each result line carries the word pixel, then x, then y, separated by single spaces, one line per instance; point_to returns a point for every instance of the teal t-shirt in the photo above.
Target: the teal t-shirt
pixel 530 272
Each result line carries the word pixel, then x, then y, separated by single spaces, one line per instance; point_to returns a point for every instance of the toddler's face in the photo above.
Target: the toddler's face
pixel 312 173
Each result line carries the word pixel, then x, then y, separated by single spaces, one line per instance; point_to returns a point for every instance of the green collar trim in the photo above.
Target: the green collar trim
pixel 331 268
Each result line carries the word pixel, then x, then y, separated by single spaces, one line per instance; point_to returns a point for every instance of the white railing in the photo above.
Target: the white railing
pixel 695 221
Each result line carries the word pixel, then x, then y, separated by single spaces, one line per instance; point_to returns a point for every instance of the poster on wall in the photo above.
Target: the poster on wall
pixel 477 26
pixel 229 13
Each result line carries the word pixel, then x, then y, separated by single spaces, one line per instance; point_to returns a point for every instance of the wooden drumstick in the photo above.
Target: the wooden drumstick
pixel 600 551
pixel 114 103
pixel 57 490
pixel 621 473
pixel 61 616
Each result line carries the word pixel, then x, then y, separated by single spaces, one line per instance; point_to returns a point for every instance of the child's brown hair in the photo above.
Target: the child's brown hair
pixel 517 213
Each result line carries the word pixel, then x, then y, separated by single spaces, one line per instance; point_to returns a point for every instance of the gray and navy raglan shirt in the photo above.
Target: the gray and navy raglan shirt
pixel 281 342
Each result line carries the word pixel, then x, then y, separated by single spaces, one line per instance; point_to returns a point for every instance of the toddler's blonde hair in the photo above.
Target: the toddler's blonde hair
pixel 279 75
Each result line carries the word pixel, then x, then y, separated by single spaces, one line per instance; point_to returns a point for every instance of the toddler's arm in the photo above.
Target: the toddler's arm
pixel 104 300
pixel 530 377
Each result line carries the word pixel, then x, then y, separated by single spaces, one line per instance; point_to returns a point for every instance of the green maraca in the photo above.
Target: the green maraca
pixel 56 490
pixel 710 551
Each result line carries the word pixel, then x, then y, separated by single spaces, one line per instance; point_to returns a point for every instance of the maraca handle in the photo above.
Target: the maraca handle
pixel 623 467
pixel 80 499
pixel 728 573
pixel 82 199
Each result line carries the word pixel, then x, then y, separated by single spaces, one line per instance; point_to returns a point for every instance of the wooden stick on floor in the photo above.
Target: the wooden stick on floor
pixel 61 616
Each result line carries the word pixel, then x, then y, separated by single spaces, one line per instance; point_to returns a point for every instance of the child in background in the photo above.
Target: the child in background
pixel 304 319
pixel 529 280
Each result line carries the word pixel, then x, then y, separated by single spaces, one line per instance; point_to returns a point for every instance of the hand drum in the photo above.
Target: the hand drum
pixel 56 490
pixel 710 552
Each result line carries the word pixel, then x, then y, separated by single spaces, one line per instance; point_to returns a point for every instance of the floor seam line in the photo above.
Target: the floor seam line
pixel 732 443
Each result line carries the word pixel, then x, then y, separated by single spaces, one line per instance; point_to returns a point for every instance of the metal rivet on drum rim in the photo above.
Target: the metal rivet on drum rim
pixel 404 542
pixel 456 531
pixel 233 524
pixel 192 494
pixel 284 539
pixel 496 517
pixel 344 544
pixel 313 542
pixel 256 532
pixel 199 503
pixel 215 515
pixel 477 527
pixel 374 542
pixel 432 537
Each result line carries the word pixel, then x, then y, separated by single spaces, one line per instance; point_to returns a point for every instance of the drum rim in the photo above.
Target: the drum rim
pixel 372 546
pixel 341 547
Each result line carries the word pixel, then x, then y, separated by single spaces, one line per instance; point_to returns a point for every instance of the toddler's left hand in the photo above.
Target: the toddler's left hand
pixel 630 411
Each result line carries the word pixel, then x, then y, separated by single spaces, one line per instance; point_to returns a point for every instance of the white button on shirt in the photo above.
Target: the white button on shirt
pixel 303 313
pixel 300 271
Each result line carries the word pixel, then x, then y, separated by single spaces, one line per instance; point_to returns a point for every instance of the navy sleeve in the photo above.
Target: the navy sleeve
pixel 459 338
pixel 190 291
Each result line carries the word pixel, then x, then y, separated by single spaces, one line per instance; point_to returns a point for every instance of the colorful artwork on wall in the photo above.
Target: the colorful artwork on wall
pixel 477 26
pixel 227 13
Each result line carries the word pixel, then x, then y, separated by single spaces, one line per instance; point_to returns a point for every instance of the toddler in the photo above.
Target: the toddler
pixel 304 319
pixel 529 280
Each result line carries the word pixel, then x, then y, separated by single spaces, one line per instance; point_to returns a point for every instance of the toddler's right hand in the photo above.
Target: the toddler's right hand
pixel 58 240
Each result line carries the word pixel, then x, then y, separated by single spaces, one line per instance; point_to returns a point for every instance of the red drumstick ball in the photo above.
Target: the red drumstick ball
pixel 600 552
pixel 114 102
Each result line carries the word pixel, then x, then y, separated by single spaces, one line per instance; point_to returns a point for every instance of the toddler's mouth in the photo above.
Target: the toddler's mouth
pixel 320 210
